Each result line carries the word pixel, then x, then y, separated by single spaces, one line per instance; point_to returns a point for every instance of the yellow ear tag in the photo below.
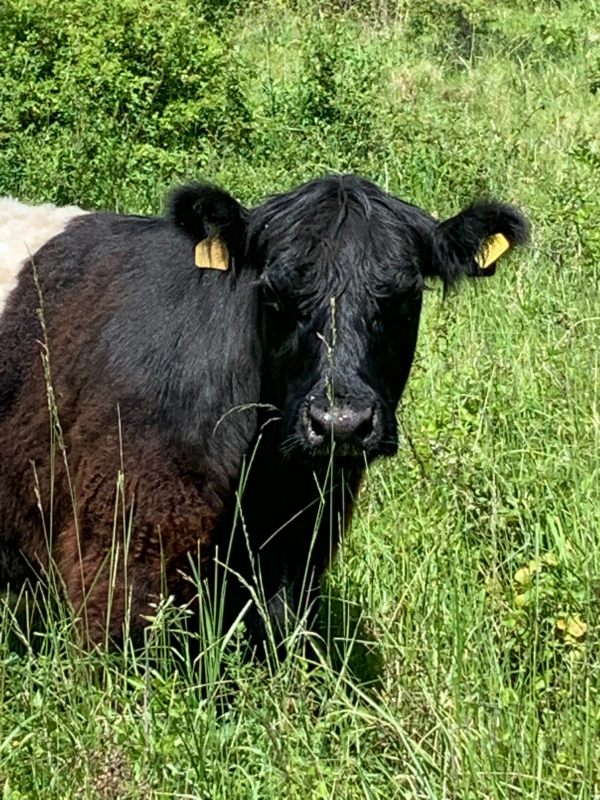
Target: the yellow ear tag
pixel 212 254
pixel 491 250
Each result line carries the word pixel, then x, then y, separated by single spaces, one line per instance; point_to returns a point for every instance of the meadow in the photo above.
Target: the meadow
pixel 462 618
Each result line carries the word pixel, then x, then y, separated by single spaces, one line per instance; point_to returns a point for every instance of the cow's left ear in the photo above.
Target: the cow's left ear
pixel 471 242
pixel 215 222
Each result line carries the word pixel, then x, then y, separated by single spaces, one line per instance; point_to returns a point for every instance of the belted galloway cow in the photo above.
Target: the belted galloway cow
pixel 237 368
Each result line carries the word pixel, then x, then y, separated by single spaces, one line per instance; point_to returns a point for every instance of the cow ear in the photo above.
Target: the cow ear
pixel 215 222
pixel 471 242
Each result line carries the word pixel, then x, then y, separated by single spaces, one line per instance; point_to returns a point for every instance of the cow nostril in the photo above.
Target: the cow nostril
pixel 365 428
pixel 317 427
pixel 318 423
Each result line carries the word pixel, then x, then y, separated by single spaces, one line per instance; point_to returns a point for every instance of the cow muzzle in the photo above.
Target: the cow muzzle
pixel 352 430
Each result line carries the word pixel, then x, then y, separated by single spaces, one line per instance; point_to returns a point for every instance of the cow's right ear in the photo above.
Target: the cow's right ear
pixel 215 222
pixel 470 243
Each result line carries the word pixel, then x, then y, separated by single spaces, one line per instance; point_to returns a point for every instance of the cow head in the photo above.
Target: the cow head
pixel 341 268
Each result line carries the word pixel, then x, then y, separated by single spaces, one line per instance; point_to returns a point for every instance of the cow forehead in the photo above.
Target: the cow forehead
pixel 338 235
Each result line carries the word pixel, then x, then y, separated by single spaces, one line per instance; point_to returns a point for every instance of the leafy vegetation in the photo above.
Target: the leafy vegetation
pixel 463 614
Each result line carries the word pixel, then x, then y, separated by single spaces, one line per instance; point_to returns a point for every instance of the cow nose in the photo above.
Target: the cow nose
pixel 340 424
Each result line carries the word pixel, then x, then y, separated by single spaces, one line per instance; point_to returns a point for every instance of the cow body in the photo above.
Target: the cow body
pixel 239 407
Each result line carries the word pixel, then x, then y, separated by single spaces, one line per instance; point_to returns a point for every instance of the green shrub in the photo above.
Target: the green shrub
pixel 105 89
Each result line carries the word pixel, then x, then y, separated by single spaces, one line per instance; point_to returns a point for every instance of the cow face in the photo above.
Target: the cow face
pixel 342 269
pixel 342 290
pixel 343 274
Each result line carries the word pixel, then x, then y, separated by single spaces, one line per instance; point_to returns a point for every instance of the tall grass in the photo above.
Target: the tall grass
pixel 462 617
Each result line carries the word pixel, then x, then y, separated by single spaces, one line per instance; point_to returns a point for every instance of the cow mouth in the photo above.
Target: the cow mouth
pixel 338 451
pixel 343 451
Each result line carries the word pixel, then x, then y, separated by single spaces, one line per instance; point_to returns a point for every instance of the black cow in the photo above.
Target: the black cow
pixel 241 403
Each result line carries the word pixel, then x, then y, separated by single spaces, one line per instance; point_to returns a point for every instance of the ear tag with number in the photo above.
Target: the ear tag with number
pixel 212 254
pixel 491 250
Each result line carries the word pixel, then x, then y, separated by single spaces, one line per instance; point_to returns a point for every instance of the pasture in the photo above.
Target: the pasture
pixel 462 617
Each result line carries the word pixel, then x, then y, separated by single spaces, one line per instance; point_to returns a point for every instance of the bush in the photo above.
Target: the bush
pixel 106 89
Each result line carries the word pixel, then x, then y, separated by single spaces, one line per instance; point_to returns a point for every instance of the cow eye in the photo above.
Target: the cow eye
pixel 283 313
pixel 376 326
pixel 271 299
pixel 395 308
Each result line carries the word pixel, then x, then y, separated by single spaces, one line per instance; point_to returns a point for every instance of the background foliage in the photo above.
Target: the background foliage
pixel 463 613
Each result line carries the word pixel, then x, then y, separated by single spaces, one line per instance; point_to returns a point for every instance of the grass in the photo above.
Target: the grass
pixel 463 612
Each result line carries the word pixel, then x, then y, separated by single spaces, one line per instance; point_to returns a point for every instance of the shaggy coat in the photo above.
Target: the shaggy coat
pixel 24 229
pixel 239 407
